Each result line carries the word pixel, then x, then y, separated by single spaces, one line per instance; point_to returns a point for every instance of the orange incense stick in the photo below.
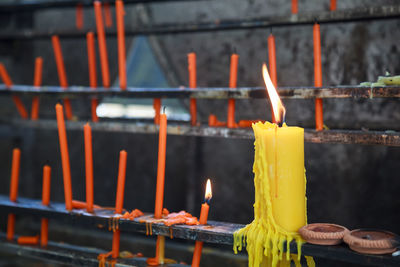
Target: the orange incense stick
pixel 157 110
pixel 192 84
pixel 10 227
pixel 92 72
pixel 119 202
pixel 101 36
pixel 37 82
pixel 319 119
pixel 295 8
pixel 119 8
pixel 272 64
pixel 45 201
pixel 62 75
pixel 62 134
pixel 89 166
pixel 16 159
pixel 232 84
pixel 333 5
pixel 162 147
pixel 79 16
pixel 107 14
pixel 15 166
pixel 28 240
pixel 17 101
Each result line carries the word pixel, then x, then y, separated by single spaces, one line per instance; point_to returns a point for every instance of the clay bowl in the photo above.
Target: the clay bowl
pixel 323 233
pixel 371 241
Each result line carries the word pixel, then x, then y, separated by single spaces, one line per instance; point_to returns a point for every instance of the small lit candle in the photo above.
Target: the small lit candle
pixel 203 220
pixel 192 84
pixel 319 117
pixel 45 202
pixel 232 84
pixel 120 12
pixel 101 36
pixel 87 130
pixel 37 82
pixel 62 134
pixel 62 75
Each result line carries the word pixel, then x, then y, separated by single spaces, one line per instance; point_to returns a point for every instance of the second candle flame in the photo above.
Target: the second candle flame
pixel 208 194
pixel 277 106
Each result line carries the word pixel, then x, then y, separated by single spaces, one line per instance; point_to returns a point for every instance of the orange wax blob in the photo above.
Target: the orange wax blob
pixel 79 16
pixel 192 84
pixel 17 101
pixel 295 8
pixel 157 110
pixel 46 185
pixel 232 84
pixel 162 147
pixel 101 35
pixel 28 240
pixel 37 82
pixel 10 226
pixel 181 217
pixel 115 243
pixel 132 215
pixel 119 202
pixel 15 166
pixel 62 75
pixel 62 134
pixel 319 119
pixel 107 14
pixel 120 12
pixel 89 166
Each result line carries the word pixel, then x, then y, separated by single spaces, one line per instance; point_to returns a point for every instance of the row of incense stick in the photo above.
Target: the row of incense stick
pixel 62 74
pixel 14 182
pixel 79 19
pixel 68 196
pixel 295 8
pixel 89 206
pixel 231 123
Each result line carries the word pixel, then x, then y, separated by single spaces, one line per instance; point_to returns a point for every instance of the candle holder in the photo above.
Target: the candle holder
pixel 323 233
pixel 372 241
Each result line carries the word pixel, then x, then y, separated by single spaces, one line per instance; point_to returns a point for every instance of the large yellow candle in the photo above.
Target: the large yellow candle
pixel 280 192
pixel 284 148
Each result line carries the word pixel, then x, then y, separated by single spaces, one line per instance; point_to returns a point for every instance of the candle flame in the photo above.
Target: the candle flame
pixel 278 109
pixel 208 194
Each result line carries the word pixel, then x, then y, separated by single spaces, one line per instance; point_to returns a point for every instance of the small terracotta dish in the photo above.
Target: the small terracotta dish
pixel 371 241
pixel 323 233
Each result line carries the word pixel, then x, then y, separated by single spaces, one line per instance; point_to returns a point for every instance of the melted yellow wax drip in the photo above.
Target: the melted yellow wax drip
pixel 264 238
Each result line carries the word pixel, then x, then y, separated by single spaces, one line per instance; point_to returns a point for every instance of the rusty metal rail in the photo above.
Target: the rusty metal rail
pixel 388 138
pixel 339 16
pixel 349 91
